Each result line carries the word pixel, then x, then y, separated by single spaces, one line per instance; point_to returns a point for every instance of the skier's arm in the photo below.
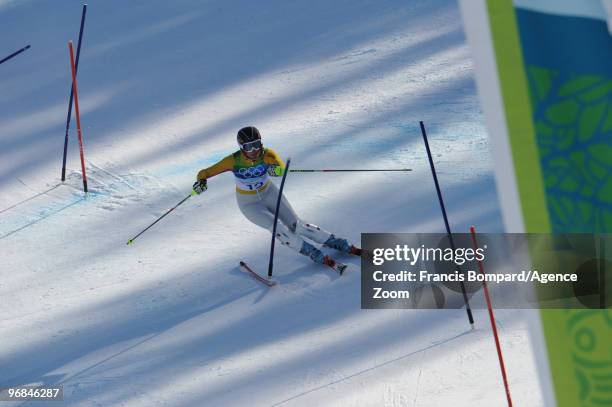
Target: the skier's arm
pixel 276 166
pixel 222 166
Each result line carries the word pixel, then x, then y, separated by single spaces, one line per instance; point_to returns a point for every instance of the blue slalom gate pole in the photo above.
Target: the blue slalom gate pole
pixel 14 54
pixel 278 202
pixel 443 208
pixel 78 54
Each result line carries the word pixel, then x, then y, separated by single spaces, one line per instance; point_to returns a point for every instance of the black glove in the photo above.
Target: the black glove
pixel 200 186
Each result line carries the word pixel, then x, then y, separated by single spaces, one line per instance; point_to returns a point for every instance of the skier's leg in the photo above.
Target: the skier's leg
pixel 259 209
pixel 286 213
pixel 295 225
pixel 288 216
pixel 254 209
pixel 307 230
pixel 293 240
pixel 313 232
pixel 287 238
pixel 319 235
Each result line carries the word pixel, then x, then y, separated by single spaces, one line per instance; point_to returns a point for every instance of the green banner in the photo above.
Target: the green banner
pixel 553 63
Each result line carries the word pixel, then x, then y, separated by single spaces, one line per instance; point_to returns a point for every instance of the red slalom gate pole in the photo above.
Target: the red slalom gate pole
pixel 76 68
pixel 77 113
pixel 492 318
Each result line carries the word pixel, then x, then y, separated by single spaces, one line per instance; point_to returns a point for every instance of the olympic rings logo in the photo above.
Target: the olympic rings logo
pixel 252 172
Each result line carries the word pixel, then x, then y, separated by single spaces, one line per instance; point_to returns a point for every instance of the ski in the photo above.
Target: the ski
pixel 256 276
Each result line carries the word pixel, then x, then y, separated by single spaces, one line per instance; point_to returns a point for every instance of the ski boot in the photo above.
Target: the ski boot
pixel 318 257
pixel 356 251
pixel 334 264
pixel 363 253
pixel 344 246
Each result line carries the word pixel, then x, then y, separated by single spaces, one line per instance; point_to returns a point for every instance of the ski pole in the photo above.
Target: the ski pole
pixel 14 54
pixel 358 170
pixel 161 217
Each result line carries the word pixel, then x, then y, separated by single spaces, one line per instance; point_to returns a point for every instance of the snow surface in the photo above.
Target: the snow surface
pixel 171 320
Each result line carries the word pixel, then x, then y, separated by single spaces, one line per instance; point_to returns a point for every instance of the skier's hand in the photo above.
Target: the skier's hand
pixel 275 171
pixel 200 186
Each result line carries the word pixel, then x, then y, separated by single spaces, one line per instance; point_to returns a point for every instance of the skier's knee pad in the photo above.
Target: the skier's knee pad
pixel 312 232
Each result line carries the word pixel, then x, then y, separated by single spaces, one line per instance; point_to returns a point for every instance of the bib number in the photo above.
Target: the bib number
pixel 255 186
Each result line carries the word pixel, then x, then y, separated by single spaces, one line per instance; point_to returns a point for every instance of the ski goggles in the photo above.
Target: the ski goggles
pixel 250 146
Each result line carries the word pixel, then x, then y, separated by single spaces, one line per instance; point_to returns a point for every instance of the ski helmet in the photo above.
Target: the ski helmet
pixel 248 134
pixel 249 139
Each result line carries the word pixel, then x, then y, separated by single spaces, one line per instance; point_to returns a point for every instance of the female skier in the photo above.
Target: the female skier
pixel 252 166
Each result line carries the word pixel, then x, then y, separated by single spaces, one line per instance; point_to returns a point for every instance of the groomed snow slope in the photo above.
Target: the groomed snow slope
pixel 171 320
